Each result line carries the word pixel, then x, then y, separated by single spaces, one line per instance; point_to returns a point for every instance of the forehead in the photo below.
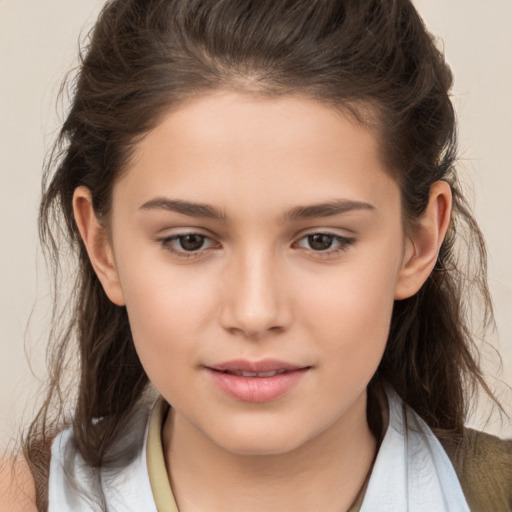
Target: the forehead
pixel 245 120
pixel 243 150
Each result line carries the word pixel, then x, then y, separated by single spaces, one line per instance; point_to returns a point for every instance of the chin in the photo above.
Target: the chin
pixel 253 438
pixel 261 445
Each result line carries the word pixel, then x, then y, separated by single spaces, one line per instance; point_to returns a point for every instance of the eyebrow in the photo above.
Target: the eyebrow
pixel 336 207
pixel 185 208
pixel 201 210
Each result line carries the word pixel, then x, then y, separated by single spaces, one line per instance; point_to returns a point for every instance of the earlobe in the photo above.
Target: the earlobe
pixel 422 247
pixel 97 244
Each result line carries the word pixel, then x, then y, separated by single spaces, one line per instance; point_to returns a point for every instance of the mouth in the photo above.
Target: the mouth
pixel 262 368
pixel 260 381
pixel 259 375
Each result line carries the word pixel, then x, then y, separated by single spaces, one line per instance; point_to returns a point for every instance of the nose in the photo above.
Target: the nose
pixel 254 296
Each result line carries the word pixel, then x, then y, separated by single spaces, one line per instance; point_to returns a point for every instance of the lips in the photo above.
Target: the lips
pixel 259 375
pixel 263 366
pixel 256 381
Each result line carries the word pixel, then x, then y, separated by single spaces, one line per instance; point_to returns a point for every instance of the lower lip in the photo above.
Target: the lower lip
pixel 257 389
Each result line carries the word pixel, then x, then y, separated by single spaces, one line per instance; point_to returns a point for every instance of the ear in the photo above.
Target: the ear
pixel 423 244
pixel 97 244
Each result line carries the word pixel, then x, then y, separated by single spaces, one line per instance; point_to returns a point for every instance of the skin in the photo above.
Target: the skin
pixel 257 288
pixel 17 490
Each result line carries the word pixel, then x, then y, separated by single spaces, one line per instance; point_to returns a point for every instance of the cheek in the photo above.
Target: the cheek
pixel 167 308
pixel 352 310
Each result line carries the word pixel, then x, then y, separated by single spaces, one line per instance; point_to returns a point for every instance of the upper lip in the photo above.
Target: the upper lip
pixel 265 365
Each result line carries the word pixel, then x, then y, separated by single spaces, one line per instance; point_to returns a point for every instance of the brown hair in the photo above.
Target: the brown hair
pixel 373 58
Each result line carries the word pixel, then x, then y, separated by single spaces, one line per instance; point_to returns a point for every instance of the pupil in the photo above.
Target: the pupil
pixel 191 242
pixel 319 241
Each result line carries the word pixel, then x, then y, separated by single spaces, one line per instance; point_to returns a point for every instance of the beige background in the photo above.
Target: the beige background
pixel 38 43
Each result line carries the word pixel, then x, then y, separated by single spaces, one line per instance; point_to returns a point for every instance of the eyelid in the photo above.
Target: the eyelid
pixel 166 243
pixel 342 245
pixel 344 242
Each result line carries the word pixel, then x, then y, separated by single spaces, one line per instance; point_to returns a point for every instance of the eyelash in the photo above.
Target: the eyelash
pixel 344 244
pixel 168 241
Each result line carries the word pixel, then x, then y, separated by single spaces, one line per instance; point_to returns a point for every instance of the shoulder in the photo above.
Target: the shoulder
pixel 17 489
pixel 483 463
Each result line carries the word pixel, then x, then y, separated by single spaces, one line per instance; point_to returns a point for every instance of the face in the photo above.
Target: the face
pixel 258 245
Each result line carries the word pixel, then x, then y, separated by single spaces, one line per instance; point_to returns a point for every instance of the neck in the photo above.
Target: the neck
pixel 326 473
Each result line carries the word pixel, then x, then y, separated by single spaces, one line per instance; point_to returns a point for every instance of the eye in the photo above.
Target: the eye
pixel 187 245
pixel 325 242
pixel 192 242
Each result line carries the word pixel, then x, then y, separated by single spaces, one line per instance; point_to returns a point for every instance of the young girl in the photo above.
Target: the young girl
pixel 268 310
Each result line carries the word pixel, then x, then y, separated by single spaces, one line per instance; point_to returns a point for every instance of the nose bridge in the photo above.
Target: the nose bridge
pixel 254 302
